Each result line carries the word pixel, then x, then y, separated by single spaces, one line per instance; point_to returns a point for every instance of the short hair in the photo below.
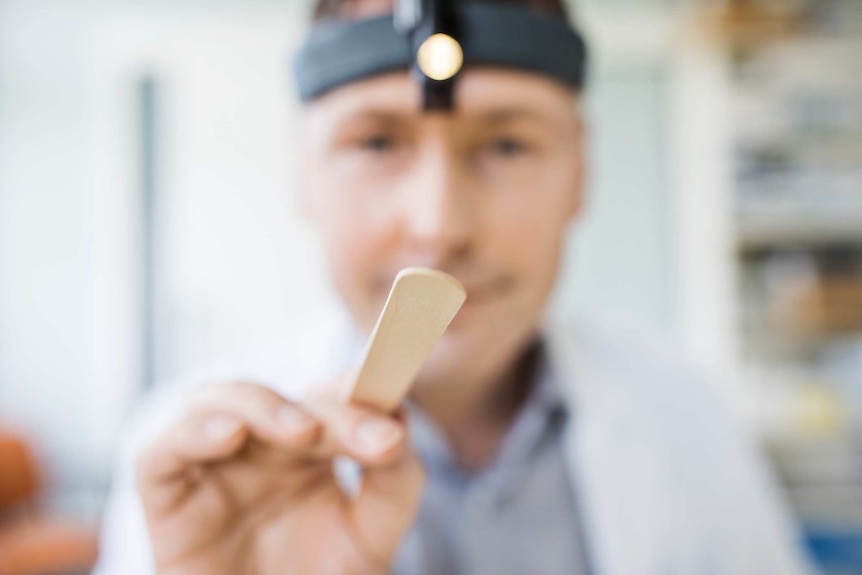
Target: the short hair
pixel 326 9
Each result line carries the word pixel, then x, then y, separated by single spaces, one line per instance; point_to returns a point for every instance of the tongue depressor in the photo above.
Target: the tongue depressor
pixel 420 306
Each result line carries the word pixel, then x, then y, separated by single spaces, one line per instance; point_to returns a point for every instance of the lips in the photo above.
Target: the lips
pixel 481 286
pixel 486 292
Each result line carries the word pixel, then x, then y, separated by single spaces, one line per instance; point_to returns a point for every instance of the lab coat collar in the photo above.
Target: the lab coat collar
pixel 619 481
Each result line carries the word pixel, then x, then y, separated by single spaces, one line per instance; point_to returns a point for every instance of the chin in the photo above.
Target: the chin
pixel 462 356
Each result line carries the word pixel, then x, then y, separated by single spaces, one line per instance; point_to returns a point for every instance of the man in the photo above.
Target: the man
pixel 526 446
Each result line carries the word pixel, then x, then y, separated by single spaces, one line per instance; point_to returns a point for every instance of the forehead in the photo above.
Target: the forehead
pixel 479 92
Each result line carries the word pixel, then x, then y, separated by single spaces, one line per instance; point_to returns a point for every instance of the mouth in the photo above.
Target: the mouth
pixel 486 293
pixel 481 289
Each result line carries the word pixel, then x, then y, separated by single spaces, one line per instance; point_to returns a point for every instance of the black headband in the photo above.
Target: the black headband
pixel 339 52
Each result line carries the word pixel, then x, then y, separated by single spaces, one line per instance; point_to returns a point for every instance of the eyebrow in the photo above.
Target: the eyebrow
pixel 376 113
pixel 500 116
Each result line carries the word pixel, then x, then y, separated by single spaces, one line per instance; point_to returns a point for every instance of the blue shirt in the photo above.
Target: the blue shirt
pixel 516 517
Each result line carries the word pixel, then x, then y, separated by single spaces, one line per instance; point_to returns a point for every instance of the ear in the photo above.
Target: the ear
pixel 304 184
pixel 581 166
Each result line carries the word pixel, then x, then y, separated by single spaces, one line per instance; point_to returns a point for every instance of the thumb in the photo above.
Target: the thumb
pixel 388 503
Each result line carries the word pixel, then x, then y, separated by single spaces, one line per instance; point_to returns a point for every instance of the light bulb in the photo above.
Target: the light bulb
pixel 440 57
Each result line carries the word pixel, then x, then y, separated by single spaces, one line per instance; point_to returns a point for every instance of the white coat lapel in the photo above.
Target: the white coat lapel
pixel 619 479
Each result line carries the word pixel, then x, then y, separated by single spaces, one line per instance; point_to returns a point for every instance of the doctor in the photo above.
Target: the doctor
pixel 526 447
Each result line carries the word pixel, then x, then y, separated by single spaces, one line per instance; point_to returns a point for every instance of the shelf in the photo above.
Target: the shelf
pixel 787 229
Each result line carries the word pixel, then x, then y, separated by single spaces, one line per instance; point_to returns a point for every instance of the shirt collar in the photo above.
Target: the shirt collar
pixel 539 418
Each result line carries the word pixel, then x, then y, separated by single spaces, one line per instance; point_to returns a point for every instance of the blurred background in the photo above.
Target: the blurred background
pixel 147 225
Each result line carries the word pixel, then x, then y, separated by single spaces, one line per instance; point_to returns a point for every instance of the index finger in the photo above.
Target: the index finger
pixel 163 468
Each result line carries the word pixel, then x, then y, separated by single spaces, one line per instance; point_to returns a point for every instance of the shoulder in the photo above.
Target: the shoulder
pixel 637 390
pixel 647 379
pixel 632 360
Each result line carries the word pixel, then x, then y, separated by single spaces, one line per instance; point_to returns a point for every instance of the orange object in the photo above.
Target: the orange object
pixel 750 23
pixel 30 543
pixel 19 483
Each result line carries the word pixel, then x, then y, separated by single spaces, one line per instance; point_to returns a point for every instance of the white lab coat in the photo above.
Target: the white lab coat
pixel 665 482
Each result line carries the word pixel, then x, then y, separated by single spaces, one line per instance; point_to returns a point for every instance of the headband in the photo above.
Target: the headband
pixel 338 52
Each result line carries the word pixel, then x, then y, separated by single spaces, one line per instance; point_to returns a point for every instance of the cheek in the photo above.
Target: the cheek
pixel 527 228
pixel 357 241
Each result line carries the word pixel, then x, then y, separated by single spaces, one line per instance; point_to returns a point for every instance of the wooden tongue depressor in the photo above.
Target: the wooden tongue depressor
pixel 420 307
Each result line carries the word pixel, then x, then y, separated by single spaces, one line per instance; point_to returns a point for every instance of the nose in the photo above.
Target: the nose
pixel 438 206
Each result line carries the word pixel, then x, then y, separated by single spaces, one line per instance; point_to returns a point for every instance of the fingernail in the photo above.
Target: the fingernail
pixel 221 427
pixel 377 435
pixel 293 420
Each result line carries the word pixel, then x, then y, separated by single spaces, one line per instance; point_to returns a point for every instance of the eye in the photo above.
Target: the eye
pixel 508 147
pixel 378 143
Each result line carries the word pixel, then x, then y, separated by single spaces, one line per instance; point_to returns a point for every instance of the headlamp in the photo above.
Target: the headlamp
pixel 436 39
pixel 432 28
